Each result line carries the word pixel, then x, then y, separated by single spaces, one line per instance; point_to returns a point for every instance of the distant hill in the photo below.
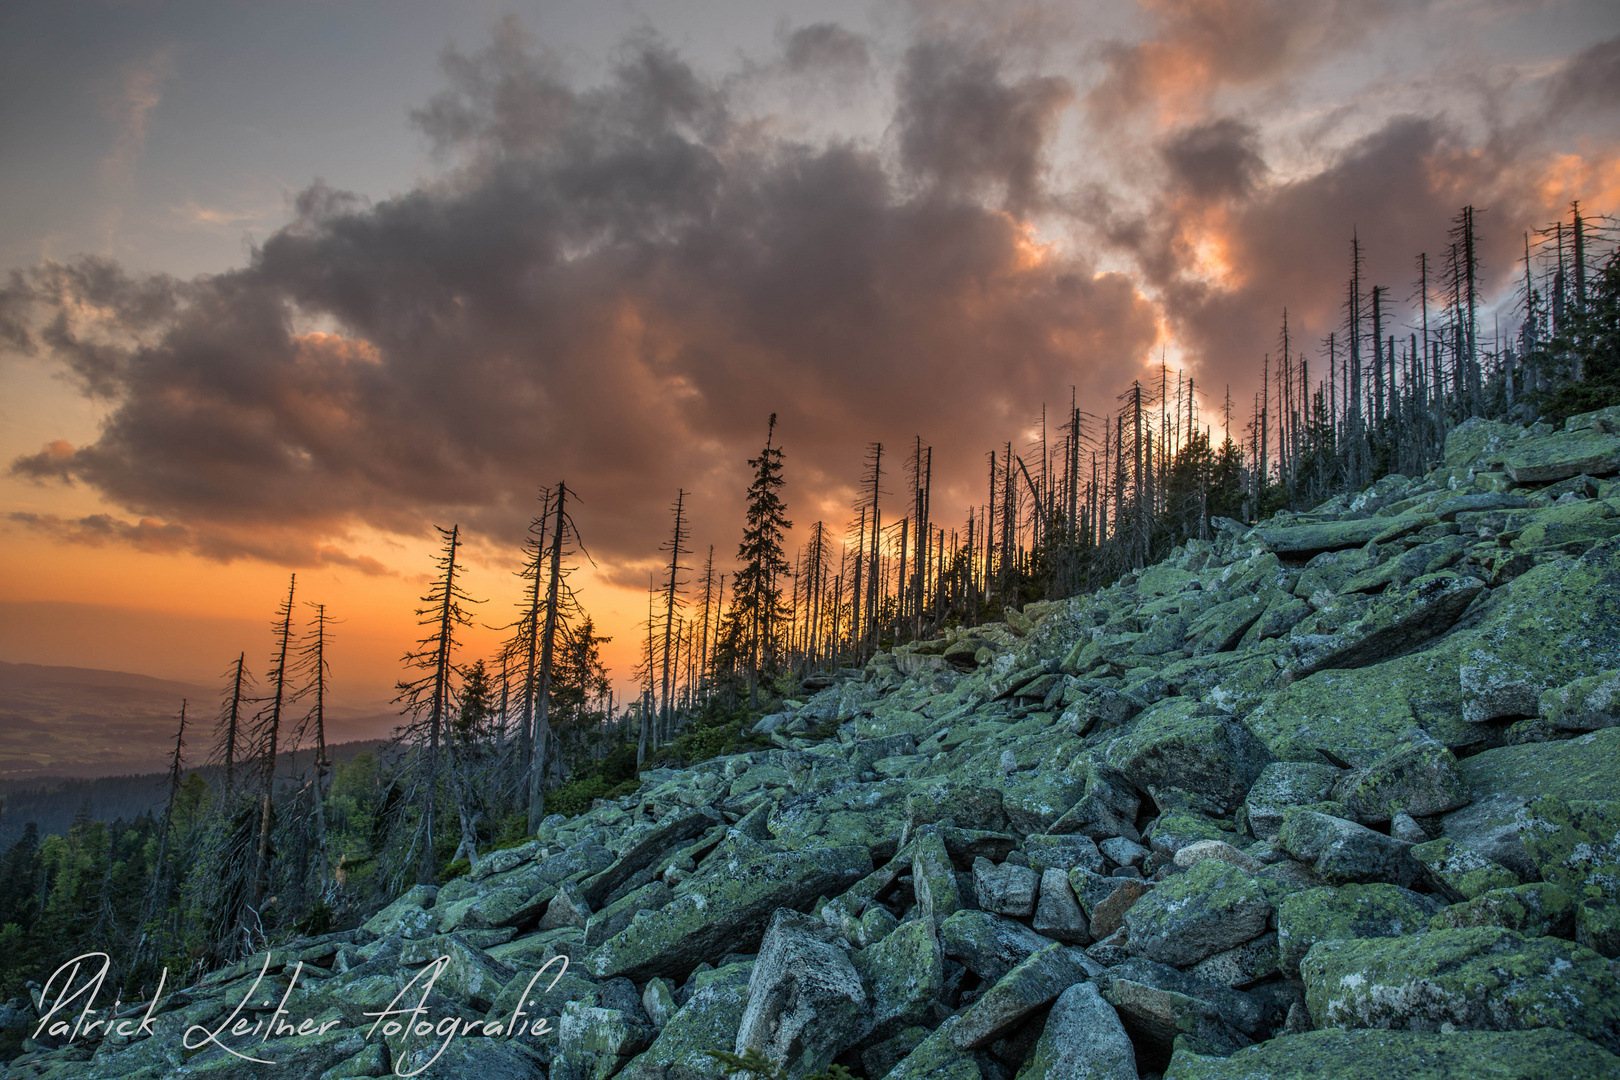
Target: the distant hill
pixel 84 722
pixel 51 802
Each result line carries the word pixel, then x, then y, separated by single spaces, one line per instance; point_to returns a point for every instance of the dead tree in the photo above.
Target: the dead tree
pixel 268 724
pixel 317 674
pixel 701 657
pixel 426 699
pixel 528 627
pixel 228 728
pixel 676 548
pixel 559 602
pixel 157 896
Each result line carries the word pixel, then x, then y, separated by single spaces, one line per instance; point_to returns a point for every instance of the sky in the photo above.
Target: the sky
pixel 285 286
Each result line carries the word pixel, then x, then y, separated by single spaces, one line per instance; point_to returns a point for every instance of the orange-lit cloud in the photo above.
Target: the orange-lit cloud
pixel 615 285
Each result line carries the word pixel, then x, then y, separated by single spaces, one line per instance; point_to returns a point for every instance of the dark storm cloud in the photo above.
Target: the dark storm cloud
pixel 1591 77
pixel 614 286
pixel 966 129
pixel 1215 160
pixel 825 47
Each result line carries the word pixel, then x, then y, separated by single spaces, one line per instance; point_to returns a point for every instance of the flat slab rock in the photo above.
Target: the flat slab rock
pixel 1406 1055
pixel 1483 979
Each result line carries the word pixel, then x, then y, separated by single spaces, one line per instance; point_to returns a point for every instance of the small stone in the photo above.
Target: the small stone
pixel 1057 913
pixel 1193 854
pixel 1242 966
pixel 1404 827
pixel 1064 852
pixel 1006 889
pixel 1108 915
pixel 1123 852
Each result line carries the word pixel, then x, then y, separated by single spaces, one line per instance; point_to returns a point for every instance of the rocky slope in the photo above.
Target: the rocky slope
pixel 1338 796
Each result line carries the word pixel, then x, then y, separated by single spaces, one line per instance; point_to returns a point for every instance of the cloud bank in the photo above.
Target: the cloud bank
pixel 615 284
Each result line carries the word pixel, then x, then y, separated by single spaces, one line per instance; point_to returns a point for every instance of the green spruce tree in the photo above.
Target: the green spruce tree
pixel 757 608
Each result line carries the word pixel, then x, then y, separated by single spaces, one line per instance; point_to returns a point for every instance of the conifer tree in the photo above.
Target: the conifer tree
pixel 756 603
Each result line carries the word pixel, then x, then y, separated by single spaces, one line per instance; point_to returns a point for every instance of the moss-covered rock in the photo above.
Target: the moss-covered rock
pixel 1461 872
pixel 937 1058
pixel 1585 704
pixel 1182 747
pixel 870 815
pixel 1407 1055
pixel 1477 441
pixel 1340 851
pixel 1082 1037
pixel 1356 716
pixel 594 1043
pixel 726 910
pixel 1574 844
pixel 1315 537
pixel 988 945
pixel 1564 454
pixel 1505 780
pixel 708 1021
pixel 1283 784
pixel 1177 828
pixel 1400 619
pixel 1482 979
pixel 1419 777
pixel 1597 925
pixel 904 975
pixel 1349 911
pixel 1211 908
pixel 1033 983
pixel 1536 909
pixel 407 916
pixel 806 1002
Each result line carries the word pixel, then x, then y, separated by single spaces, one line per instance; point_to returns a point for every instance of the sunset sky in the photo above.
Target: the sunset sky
pixel 286 285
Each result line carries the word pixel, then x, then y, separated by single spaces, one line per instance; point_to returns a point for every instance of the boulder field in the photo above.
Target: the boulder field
pixel 1336 796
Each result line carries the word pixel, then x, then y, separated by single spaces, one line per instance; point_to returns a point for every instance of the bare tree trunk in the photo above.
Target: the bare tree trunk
pixel 542 724
pixel 676 550
pixel 272 734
